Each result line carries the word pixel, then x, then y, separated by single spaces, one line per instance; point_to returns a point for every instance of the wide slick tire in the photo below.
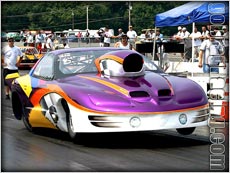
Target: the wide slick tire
pixel 69 121
pixel 27 123
pixel 20 111
pixel 186 131
pixel 70 127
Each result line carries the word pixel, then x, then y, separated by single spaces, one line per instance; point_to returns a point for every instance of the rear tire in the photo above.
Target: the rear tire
pixel 186 131
pixel 27 124
pixel 20 111
pixel 25 118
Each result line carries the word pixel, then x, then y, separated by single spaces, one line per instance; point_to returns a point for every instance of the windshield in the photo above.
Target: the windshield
pixel 84 62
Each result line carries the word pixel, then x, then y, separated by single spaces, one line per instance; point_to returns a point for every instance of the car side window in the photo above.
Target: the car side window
pixel 45 68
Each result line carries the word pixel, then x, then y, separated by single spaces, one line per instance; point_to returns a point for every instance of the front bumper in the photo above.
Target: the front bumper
pixel 140 122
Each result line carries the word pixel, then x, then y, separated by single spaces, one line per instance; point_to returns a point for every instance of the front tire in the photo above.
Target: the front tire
pixel 69 121
pixel 186 131
pixel 72 134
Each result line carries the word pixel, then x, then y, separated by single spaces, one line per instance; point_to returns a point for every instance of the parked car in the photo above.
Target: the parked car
pixel 3 36
pixel 104 89
pixel 72 38
pixel 30 56
pixel 15 35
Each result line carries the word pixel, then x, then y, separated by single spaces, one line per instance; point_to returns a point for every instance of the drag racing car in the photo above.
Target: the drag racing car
pixel 30 56
pixel 103 89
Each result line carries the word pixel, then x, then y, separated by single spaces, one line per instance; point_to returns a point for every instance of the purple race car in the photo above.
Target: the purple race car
pixel 106 90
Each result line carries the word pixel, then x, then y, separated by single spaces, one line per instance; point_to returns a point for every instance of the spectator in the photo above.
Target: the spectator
pixel 39 48
pixel 197 41
pixel 10 62
pixel 182 36
pixel 49 43
pixel 143 35
pixel 204 34
pixel 101 34
pixel 79 35
pixel 185 33
pixel 124 44
pixel 120 33
pixel 159 36
pixel 217 33
pixel 87 34
pixel 209 28
pixel 150 34
pixel 187 44
pixel 159 39
pixel 210 55
pixel 107 37
pixel 30 39
pixel 44 40
pixel 66 46
pixel 178 36
pixel 225 42
pixel 132 35
pixel 39 38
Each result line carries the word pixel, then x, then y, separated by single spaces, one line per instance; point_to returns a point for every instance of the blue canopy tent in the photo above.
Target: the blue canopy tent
pixel 198 12
pixel 195 12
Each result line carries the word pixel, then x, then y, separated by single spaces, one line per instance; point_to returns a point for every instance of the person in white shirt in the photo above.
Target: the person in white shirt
pixel 10 62
pixel 204 33
pixel 197 41
pixel 178 36
pixel 132 35
pixel 210 55
pixel 107 36
pixel 49 43
pixel 124 44
pixel 185 33
pixel 225 42
pixel 39 38
pixel 30 39
pixel 217 32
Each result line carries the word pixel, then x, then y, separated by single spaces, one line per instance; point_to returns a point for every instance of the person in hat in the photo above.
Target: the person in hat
pixel 10 62
pixel 178 36
pixel 124 44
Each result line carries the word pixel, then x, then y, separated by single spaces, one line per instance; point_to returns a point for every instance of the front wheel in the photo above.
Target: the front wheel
pixel 69 120
pixel 72 134
pixel 186 131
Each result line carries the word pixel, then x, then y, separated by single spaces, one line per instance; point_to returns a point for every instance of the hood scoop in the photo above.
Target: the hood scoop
pixel 138 94
pixel 164 92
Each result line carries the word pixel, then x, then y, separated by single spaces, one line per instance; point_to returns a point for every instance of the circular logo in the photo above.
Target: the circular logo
pixel 183 119
pixel 135 121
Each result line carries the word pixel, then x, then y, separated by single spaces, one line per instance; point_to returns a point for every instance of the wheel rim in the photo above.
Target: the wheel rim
pixel 71 123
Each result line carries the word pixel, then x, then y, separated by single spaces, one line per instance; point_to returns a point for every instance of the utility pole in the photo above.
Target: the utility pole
pixel 87 17
pixel 130 8
pixel 72 20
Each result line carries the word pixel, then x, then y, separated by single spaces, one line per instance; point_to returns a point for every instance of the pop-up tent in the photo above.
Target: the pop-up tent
pixel 195 12
pixel 198 12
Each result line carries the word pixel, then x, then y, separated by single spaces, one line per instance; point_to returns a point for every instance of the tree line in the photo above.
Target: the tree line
pixel 64 15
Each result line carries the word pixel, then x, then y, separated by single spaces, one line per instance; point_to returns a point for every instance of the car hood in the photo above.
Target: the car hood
pixel 151 92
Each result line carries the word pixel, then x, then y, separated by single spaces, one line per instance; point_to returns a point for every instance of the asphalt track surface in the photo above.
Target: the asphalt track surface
pixel 155 151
